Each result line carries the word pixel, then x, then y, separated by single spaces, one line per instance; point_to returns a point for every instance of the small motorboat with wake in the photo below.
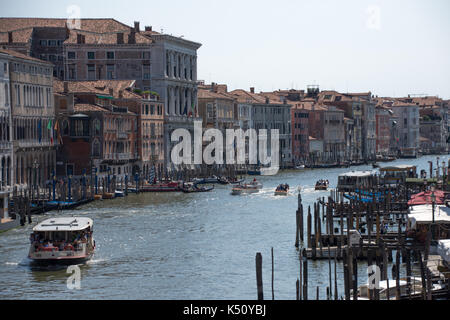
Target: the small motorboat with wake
pixel 252 187
pixel 322 185
pixel 62 240
pixel 282 190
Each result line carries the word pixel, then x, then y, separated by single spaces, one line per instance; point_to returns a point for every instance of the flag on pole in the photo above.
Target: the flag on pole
pixel 50 127
pixel 192 112
pixel 58 134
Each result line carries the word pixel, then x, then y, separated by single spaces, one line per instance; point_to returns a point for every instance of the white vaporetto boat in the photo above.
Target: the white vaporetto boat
pixel 67 240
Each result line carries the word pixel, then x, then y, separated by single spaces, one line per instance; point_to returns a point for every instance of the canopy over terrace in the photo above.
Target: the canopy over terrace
pixel 426 198
pixel 423 214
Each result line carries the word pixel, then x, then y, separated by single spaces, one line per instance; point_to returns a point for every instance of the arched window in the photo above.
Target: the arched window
pixel 96 148
pixel 65 125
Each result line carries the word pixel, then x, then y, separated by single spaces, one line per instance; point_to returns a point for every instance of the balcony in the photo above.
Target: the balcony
pixel 5 146
pixel 122 135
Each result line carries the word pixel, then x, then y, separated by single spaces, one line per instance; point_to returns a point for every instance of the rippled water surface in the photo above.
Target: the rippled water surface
pixel 182 246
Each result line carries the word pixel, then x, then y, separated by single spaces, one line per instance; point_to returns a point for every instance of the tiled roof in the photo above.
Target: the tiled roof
pixel 208 94
pixel 23 56
pixel 105 38
pixel 96 24
pixel 86 107
pixel 19 36
pixel 99 87
pixel 22 28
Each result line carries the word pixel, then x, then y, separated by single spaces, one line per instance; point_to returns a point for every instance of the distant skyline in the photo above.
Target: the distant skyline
pixel 391 48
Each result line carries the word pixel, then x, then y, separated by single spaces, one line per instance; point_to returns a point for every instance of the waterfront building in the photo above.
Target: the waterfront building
pixel 174 78
pixel 269 114
pixel 121 55
pixel 368 123
pixel 433 123
pixel 99 132
pixel 217 109
pixel 408 128
pixel 33 117
pixel 383 129
pixel 353 109
pixel 6 150
pixel 44 38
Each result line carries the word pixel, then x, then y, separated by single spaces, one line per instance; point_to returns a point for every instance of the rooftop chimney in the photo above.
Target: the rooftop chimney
pixel 119 38
pixel 136 26
pixel 267 100
pixel 66 87
pixel 10 37
pixel 252 89
pixel 111 91
pixel 148 28
pixel 120 94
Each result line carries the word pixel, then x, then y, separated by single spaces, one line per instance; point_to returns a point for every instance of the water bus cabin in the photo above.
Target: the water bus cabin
pixel 395 175
pixel 356 180
pixel 67 240
pixel 423 217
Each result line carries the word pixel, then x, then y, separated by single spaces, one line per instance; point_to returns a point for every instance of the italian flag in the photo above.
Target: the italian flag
pixel 50 127
pixel 192 112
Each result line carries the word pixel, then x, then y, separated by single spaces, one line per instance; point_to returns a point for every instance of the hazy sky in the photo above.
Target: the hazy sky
pixel 392 48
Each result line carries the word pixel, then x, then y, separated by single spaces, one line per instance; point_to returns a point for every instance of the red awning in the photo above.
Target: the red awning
pixel 425 198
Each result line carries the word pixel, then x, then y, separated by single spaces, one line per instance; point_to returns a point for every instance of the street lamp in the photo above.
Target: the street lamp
pixel 433 202
pixel 35 167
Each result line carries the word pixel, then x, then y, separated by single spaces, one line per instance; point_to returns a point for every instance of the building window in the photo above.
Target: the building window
pixel 91 71
pixel 97 127
pixel 6 95
pixel 146 71
pixel 110 71
pixel 110 55
pixel 52 43
pixel 71 55
pixel 43 43
pixel 146 55
pixel 91 55
pixel 96 148
pixel 52 57
pixel 72 73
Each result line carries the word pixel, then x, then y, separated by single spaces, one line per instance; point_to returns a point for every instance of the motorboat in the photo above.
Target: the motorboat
pixel 62 240
pixel 119 194
pixel 322 185
pixel 192 188
pixel 282 190
pixel 388 288
pixel 252 187
pixel 161 187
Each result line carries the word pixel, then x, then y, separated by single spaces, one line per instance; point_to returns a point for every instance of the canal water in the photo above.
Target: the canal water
pixel 184 246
